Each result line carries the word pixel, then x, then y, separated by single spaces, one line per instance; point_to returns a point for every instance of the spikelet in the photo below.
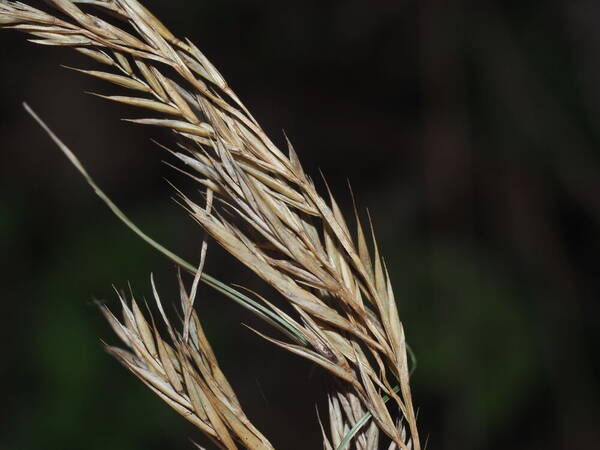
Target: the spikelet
pixel 183 371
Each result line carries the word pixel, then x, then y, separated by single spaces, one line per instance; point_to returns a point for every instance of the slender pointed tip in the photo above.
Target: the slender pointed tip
pixel 29 109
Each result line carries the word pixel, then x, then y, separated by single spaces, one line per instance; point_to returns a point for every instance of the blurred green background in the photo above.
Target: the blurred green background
pixel 471 130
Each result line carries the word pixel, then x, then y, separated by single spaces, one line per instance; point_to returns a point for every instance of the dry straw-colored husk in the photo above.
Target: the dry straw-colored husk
pixel 267 213
pixel 183 371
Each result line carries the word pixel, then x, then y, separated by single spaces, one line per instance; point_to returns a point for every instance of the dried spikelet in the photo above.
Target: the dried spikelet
pixel 183 372
pixel 345 311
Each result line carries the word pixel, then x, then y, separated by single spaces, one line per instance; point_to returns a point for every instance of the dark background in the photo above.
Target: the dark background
pixel 469 129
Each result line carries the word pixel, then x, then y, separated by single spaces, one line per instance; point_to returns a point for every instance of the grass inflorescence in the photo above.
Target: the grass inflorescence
pixel 259 205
